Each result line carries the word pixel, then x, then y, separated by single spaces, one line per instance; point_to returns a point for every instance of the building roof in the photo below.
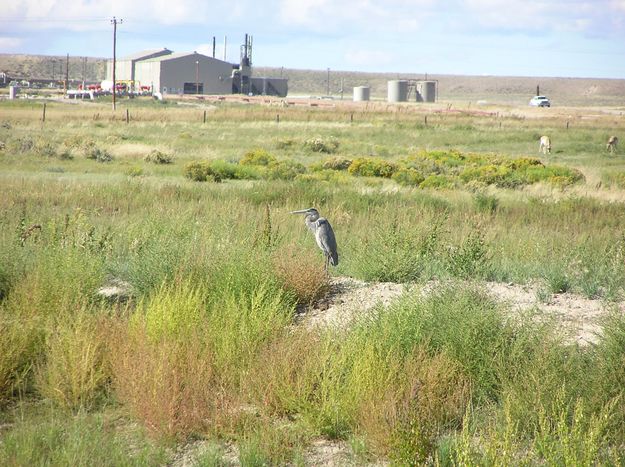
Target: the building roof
pixel 174 56
pixel 146 54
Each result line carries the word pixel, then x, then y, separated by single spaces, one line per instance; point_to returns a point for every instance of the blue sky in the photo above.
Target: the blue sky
pixel 566 38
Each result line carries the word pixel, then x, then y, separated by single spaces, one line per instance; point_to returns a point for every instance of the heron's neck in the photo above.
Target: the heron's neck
pixel 311 222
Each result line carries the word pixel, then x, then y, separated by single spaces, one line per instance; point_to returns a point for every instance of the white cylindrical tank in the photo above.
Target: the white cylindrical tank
pixel 427 89
pixel 398 91
pixel 13 90
pixel 362 93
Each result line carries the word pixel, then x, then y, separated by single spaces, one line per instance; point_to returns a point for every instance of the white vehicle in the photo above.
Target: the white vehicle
pixel 540 101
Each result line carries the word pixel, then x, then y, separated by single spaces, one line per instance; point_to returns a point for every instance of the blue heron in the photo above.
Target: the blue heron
pixel 324 235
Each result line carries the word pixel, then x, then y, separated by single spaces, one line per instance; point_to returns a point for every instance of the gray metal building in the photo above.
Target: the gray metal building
pixel 167 72
pixel 185 73
pixel 125 66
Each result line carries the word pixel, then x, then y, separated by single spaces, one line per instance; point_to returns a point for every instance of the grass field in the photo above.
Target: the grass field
pixel 201 361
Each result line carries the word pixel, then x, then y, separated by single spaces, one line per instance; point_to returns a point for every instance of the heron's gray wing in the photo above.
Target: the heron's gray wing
pixel 326 240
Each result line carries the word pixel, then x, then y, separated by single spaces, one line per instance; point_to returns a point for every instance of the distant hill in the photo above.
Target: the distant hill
pixel 52 67
pixel 491 89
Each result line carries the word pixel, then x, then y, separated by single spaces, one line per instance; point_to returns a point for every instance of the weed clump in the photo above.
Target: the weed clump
pixel 372 167
pixel 336 163
pixel 408 177
pixel 323 145
pixel 201 171
pixel 257 157
pixel 439 182
pixel 75 373
pixel 301 274
pixel 91 151
pixel 284 170
pixel 158 157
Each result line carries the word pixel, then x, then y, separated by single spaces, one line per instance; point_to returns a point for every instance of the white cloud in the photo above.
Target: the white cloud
pixel 540 15
pixel 76 14
pixel 618 5
pixel 10 43
pixel 325 16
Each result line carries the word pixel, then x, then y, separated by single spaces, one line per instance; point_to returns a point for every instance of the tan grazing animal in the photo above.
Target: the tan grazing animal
pixel 612 144
pixel 545 145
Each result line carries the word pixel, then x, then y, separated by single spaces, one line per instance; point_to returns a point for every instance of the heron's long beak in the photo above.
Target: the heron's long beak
pixel 302 211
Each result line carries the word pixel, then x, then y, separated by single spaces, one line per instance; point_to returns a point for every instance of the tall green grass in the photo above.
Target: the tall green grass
pixel 207 345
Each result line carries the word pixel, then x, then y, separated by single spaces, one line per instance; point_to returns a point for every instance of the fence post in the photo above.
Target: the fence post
pixel 127 117
pixel 44 111
pixel 204 121
pixel 277 118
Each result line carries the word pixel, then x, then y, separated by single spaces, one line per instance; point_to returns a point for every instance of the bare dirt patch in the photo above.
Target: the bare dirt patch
pixel 579 317
pixel 348 299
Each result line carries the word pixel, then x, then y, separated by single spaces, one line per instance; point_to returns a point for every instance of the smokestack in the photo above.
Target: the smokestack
pixel 225 43
pixel 245 48
pixel 213 46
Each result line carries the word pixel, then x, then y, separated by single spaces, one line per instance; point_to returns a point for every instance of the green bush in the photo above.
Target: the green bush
pixel 395 253
pixel 470 259
pixel 555 174
pixel 372 167
pixel 134 171
pixel 523 163
pixel 227 170
pixel 173 311
pixel 408 177
pixel 490 175
pixel 257 157
pixel 485 203
pixel 439 181
pixel 284 170
pixel 201 172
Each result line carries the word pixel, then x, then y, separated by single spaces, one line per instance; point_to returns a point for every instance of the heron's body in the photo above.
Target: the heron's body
pixel 324 235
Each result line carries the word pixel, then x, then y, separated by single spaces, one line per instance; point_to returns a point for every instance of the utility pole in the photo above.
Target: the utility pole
pixel 328 83
pixel 66 75
pixel 114 22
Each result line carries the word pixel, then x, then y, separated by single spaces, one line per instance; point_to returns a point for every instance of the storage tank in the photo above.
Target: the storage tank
pixel 13 90
pixel 398 91
pixel 427 91
pixel 362 93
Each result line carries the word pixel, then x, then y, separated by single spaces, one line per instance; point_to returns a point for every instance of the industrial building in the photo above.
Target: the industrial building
pixel 163 71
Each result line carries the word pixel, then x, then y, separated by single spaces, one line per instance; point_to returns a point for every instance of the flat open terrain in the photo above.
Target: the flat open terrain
pixel 159 304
